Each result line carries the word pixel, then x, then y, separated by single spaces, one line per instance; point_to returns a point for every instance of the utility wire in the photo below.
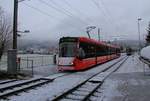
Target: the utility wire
pixel 38 10
pixel 108 12
pixel 53 7
pixel 76 10
pixel 107 19
pixel 47 14
pixel 103 13
pixel 67 11
pixel 58 9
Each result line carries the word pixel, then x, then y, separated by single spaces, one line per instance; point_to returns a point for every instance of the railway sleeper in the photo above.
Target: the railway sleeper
pixel 76 97
pixel 94 81
pixel 26 91
pixel 98 91
pixel 80 93
pixel 96 94
pixel 66 99
pixel 84 90
pixel 90 88
pixel 16 94
pixel 87 87
pixel 91 83
pixel 93 98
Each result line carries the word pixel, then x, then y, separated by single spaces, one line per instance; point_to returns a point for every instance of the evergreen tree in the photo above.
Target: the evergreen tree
pixel 148 35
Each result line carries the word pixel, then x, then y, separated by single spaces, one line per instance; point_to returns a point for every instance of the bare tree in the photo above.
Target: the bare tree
pixel 5 31
pixel 148 35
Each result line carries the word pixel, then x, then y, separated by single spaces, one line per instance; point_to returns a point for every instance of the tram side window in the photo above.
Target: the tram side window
pixel 108 51
pixel 105 50
pixel 82 47
pixel 112 50
pixel 118 50
pixel 89 50
pixel 101 51
pixel 81 53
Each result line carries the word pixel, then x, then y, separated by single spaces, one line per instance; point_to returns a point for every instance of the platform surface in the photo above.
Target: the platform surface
pixel 129 83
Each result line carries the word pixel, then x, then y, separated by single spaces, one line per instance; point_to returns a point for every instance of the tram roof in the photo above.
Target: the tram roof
pixel 84 39
pixel 87 40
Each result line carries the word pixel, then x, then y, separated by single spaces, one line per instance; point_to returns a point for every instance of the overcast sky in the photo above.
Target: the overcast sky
pixel 52 19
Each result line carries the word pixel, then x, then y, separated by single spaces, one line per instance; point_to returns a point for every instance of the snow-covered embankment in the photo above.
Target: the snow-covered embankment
pixel 145 52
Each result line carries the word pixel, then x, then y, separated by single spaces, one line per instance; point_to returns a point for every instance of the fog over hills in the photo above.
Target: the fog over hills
pixel 49 44
pixel 129 43
pixel 38 44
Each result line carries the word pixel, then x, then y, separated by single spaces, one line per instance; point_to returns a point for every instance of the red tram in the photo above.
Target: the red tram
pixel 79 53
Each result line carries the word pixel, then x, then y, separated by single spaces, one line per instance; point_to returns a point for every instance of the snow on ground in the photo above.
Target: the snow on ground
pixel 48 91
pixel 129 83
pixel 109 90
pixel 43 64
pixel 39 60
pixel 133 64
pixel 126 87
pixel 16 82
pixel 41 70
pixel 112 90
pixel 46 70
pixel 145 52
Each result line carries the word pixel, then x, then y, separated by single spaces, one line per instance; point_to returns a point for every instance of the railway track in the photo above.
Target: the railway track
pixel 13 88
pixel 22 87
pixel 58 75
pixel 8 81
pixel 88 89
pixel 17 87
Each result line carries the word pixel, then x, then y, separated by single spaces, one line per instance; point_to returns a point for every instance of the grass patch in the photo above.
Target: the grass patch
pixel 4 75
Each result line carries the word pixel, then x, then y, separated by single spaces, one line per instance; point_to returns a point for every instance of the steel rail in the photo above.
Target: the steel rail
pixel 88 97
pixel 28 85
pixel 4 93
pixel 3 90
pixel 8 81
pixel 61 96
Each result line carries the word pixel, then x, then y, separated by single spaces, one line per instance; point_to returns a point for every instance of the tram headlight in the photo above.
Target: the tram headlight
pixel 71 63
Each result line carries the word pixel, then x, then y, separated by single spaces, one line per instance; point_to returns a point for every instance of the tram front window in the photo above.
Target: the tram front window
pixel 67 49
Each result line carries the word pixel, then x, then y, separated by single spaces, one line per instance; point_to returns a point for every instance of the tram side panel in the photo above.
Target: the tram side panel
pixel 101 55
pixel 83 54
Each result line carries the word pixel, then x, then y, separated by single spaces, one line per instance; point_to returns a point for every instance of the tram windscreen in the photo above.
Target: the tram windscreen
pixel 67 49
